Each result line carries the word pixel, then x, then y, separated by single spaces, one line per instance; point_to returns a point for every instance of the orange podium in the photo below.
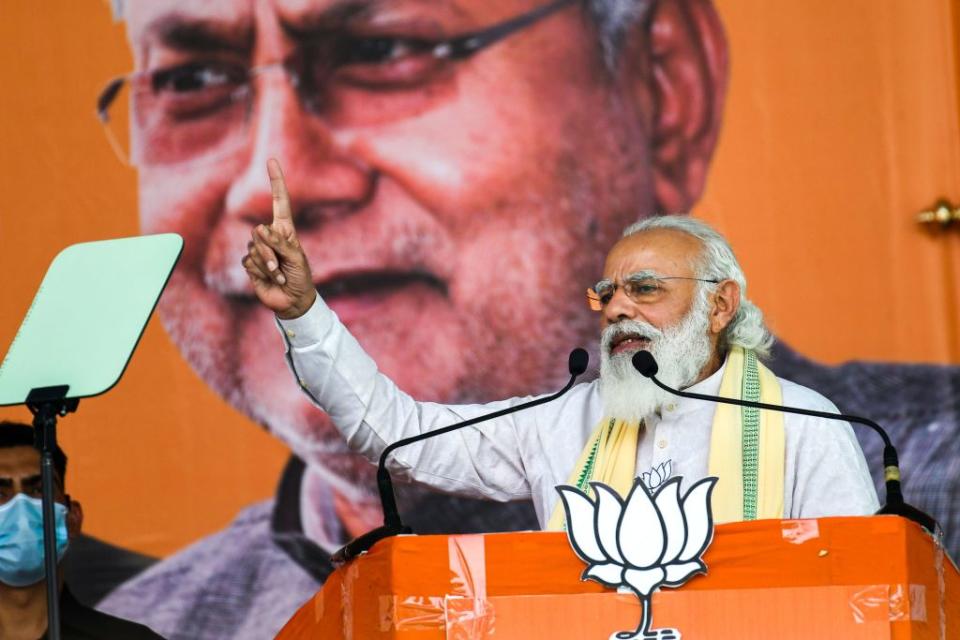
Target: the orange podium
pixel 845 578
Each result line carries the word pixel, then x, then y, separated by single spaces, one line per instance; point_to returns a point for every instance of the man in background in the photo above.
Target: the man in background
pixel 446 160
pixel 23 587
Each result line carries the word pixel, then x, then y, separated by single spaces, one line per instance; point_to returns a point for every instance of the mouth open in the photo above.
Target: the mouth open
pixel 629 342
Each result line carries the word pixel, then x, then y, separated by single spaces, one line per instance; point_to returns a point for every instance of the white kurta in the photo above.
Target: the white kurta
pixel 526 454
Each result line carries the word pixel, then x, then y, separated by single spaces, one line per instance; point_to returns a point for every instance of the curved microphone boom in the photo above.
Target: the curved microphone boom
pixel 646 364
pixel 392 524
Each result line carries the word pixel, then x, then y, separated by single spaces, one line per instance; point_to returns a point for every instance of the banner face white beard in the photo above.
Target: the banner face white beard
pixel 681 351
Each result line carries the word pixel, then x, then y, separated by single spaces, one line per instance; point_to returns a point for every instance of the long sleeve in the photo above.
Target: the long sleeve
pixel 371 411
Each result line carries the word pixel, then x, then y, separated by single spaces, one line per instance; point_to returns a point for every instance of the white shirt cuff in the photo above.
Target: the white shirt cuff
pixel 310 328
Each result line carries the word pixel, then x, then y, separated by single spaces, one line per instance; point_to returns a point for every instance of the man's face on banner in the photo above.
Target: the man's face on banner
pixel 452 209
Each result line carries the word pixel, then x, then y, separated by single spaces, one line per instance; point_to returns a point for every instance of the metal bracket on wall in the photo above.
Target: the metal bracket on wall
pixel 941 216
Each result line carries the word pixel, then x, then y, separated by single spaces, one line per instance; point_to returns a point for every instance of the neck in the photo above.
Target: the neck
pixel 711 367
pixel 23 611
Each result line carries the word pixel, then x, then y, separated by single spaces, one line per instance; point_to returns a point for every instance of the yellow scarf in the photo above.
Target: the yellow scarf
pixel 746 449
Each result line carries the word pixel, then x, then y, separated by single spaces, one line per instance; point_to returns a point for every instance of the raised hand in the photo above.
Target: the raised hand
pixel 275 261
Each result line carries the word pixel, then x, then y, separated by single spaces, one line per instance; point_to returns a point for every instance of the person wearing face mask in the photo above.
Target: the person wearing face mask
pixel 23 596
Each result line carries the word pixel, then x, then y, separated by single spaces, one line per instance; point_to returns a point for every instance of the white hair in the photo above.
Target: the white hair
pixel 613 18
pixel 717 262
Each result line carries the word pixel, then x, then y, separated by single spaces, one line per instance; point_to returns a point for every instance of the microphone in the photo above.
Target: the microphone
pixel 392 524
pixel 646 364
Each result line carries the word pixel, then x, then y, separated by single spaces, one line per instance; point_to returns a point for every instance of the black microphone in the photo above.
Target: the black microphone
pixel 646 364
pixel 392 524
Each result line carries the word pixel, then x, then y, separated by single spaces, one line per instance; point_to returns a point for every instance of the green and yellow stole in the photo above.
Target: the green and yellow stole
pixel 746 449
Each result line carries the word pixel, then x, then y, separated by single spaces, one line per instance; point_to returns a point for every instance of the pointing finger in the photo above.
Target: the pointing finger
pixel 282 213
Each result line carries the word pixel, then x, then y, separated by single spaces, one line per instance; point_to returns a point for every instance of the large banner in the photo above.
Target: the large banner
pixel 458 170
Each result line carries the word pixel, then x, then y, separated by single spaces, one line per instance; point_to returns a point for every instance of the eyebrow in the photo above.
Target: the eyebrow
pixel 311 23
pixel 644 274
pixel 29 480
pixel 184 33
pixel 637 275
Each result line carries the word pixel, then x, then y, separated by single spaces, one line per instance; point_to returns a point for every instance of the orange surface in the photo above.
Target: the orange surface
pixel 160 460
pixel 876 577
pixel 841 123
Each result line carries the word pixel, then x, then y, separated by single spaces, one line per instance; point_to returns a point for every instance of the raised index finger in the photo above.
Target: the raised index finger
pixel 282 215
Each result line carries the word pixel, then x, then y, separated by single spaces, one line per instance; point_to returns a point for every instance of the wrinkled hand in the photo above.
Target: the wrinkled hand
pixel 275 261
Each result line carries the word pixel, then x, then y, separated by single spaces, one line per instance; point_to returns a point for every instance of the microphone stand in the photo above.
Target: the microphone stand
pixel 392 524
pixel 644 362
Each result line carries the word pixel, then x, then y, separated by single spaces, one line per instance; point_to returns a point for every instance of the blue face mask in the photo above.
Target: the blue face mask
pixel 21 540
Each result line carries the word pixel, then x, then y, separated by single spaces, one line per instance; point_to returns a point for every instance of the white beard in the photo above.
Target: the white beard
pixel 681 351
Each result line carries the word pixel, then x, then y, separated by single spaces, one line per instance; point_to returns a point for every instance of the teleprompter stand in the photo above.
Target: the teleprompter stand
pixel 75 342
pixel 46 403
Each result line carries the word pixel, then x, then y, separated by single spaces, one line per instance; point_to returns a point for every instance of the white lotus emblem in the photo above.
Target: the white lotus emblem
pixel 657 475
pixel 642 543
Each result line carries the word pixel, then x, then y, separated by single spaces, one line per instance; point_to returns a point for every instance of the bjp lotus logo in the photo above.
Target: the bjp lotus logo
pixel 643 542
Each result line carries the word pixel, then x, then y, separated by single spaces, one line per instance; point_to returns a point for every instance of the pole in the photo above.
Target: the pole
pixel 45 432
pixel 47 403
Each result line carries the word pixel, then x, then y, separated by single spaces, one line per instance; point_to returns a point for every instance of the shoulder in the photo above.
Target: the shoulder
pixel 800 396
pixel 900 393
pixel 179 575
pixel 236 568
pixel 803 430
pixel 246 534
pixel 79 619
pixel 916 403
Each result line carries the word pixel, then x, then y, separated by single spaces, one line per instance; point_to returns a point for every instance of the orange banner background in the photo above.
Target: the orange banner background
pixel 841 124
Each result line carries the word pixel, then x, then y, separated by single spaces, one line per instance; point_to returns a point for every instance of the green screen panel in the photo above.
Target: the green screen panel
pixel 88 315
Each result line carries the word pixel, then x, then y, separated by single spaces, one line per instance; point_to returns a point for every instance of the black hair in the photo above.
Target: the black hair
pixel 18 434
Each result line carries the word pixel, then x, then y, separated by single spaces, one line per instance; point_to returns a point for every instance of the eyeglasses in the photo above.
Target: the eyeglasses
pixel 641 288
pixel 202 109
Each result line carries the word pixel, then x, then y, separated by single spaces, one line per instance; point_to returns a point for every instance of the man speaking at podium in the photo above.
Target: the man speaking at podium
pixel 429 185
pixel 670 285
